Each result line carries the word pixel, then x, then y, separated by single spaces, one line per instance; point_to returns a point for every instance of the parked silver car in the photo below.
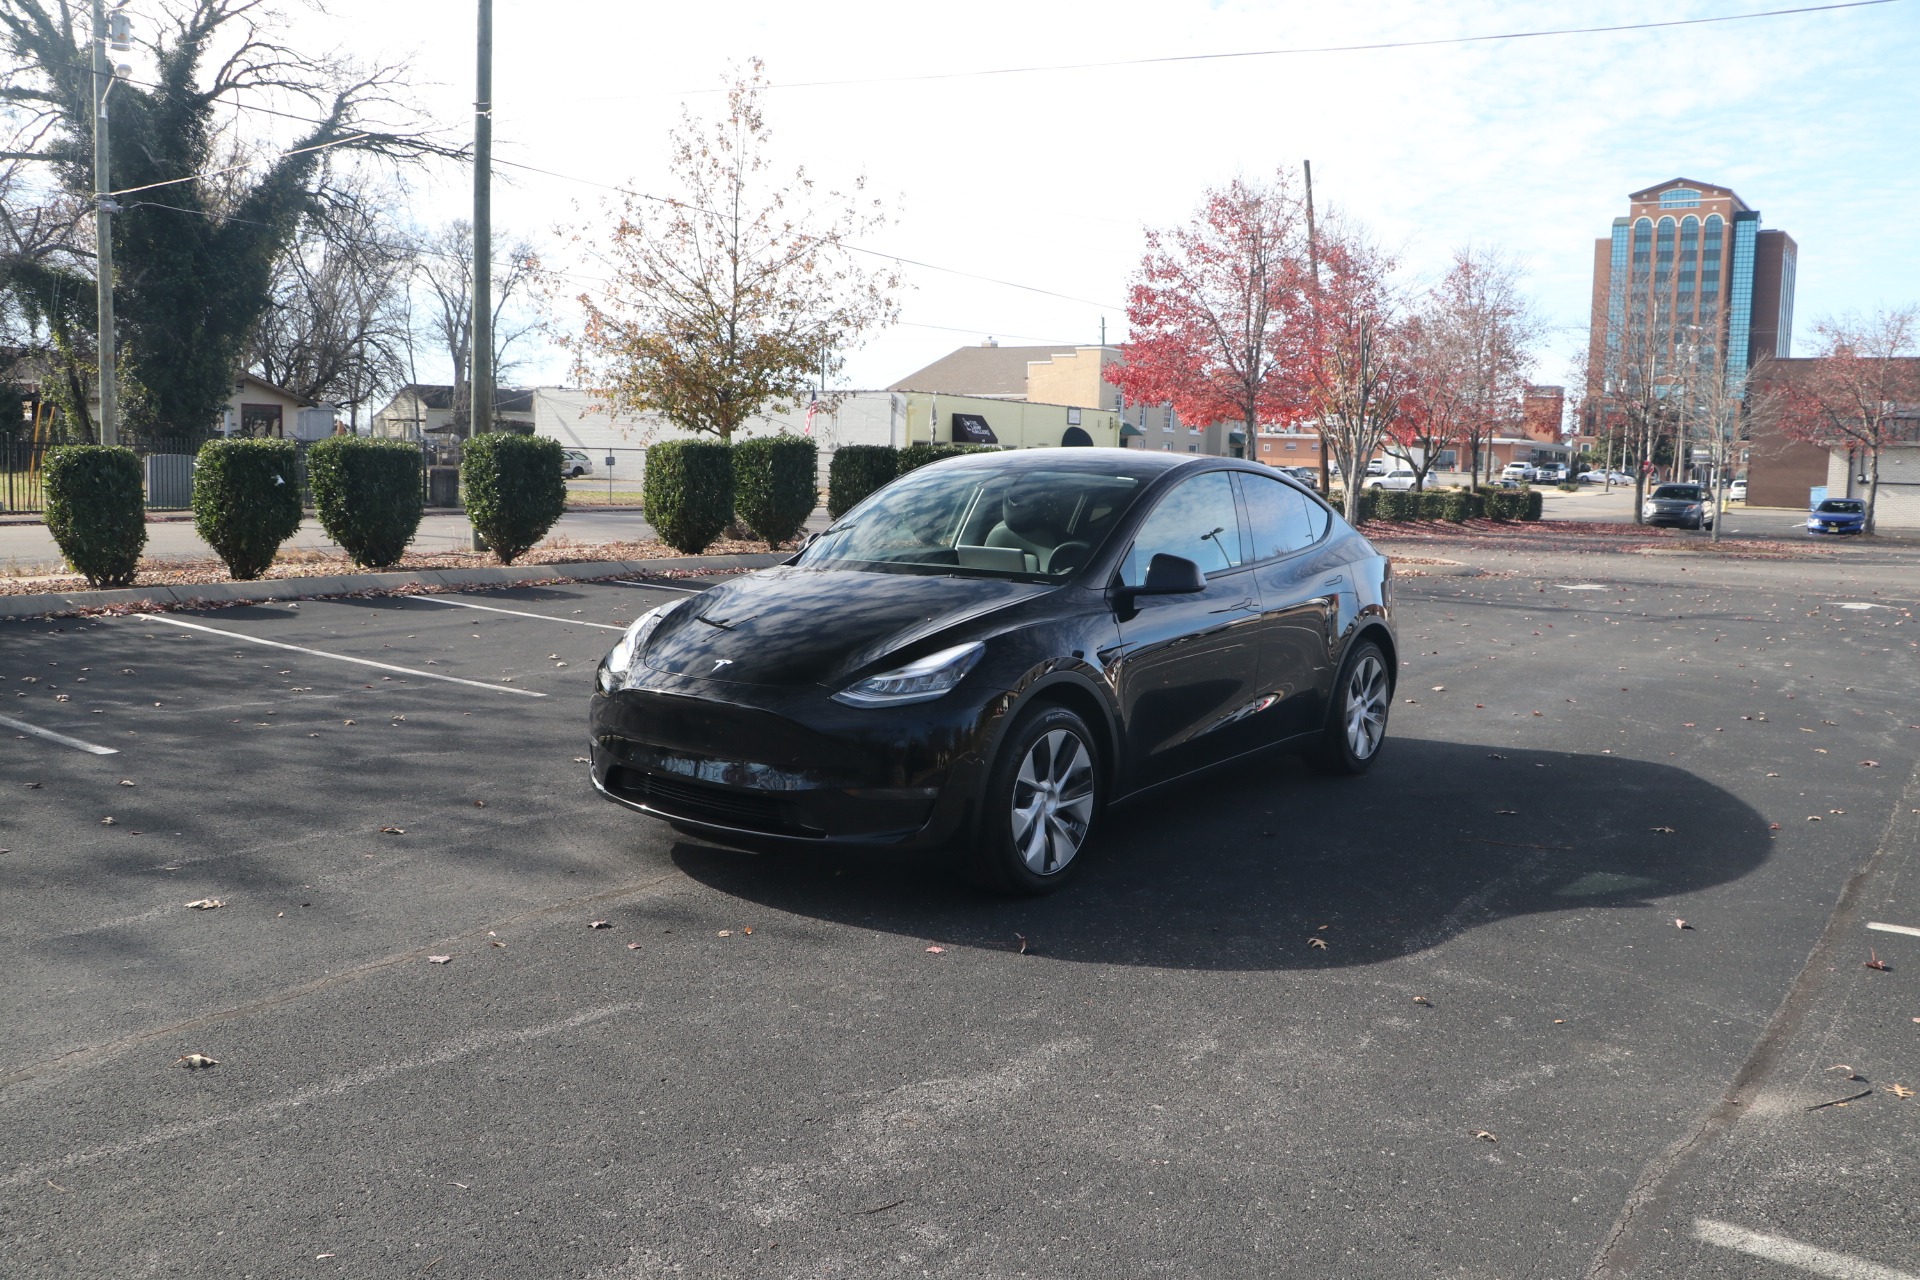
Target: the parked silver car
pixel 574 464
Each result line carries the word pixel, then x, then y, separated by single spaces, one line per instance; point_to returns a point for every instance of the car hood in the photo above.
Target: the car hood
pixel 1837 517
pixel 788 626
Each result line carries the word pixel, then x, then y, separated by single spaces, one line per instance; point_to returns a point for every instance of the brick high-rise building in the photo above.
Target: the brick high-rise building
pixel 1689 261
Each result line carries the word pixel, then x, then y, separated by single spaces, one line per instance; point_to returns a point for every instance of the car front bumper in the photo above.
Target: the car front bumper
pixel 763 768
pixel 1827 526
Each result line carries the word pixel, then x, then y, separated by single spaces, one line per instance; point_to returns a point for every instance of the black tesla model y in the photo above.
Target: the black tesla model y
pixel 989 652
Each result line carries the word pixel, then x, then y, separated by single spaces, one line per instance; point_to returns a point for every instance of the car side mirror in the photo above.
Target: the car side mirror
pixel 1166 576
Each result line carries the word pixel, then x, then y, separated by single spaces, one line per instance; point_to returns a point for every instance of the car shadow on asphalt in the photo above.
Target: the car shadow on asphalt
pixel 1238 870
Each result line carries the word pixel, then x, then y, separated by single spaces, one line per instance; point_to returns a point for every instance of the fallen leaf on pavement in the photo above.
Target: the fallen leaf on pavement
pixel 479 804
pixel 599 924
pixel 1509 813
pixel 1876 962
pixel 393 831
pixel 1899 1091
pixel 1020 942
pixel 1851 1073
pixel 934 951
pixel 33 786
pixel 1814 817
pixel 127 782
pixel 1495 755
pixel 1484 1136
pixel 724 933
pixel 748 931
pixel 581 760
pixel 1320 943
pixel 106 822
pixel 633 946
pixel 1773 826
pixel 1439 688
pixel 439 959
pixel 1869 764
pixel 1678 923
pixel 1423 1000
pixel 206 904
pixel 195 1061
pixel 1662 830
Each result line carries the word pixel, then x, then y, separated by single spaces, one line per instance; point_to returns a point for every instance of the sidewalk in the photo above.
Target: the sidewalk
pixel 29 548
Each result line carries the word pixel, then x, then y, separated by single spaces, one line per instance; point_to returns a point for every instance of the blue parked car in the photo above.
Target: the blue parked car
pixel 1838 515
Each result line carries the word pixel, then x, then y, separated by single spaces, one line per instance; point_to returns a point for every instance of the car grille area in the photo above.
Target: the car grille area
pixel 705 802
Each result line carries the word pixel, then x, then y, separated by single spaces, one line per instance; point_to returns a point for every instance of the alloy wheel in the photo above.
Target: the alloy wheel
pixel 1053 797
pixel 1366 709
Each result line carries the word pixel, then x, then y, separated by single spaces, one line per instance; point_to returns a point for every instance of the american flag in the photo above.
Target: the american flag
pixel 813 407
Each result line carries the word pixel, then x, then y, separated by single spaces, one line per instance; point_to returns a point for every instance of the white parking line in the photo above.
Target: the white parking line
pixel 337 657
pixel 60 738
pixel 1791 1253
pixel 518 613
pixel 655 586
pixel 1907 929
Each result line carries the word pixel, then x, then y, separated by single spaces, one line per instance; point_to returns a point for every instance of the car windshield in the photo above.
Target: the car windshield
pixel 978 523
pixel 1842 507
pixel 1678 492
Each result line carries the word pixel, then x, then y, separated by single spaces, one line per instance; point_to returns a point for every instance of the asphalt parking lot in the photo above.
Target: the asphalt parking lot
pixel 1507 1060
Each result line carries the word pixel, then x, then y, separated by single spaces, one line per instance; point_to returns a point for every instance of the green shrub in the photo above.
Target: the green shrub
pixel 856 471
pixel 1535 503
pixel 915 456
pixel 1433 504
pixel 513 489
pixel 1462 505
pixel 1369 502
pixel 776 485
pixel 1506 504
pixel 97 510
pixel 246 501
pixel 1394 504
pixel 689 492
pixel 367 493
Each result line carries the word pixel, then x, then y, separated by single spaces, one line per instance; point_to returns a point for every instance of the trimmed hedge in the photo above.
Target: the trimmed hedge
pixel 1536 503
pixel 856 471
pixel 1463 505
pixel 246 501
pixel 513 489
pixel 775 485
pixel 689 492
pixel 367 493
pixel 97 510
pixel 915 456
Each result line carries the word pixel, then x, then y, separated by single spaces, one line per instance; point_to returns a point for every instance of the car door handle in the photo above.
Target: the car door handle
pixel 1245 602
pixel 1335 581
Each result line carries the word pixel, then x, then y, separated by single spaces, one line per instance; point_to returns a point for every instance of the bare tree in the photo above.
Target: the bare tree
pixel 1485 328
pixel 336 331
pixel 443 275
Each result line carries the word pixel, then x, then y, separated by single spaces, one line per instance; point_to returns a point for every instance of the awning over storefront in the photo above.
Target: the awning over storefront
pixel 1130 432
pixel 1236 437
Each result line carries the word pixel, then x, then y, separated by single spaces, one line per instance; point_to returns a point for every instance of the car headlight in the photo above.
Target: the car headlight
pixel 920 681
pixel 618 664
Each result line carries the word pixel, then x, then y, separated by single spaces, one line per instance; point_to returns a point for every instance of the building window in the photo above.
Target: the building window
pixel 1680 198
pixel 1193 448
pixel 1167 427
pixel 1292 445
pixel 1167 445
pixel 1265 447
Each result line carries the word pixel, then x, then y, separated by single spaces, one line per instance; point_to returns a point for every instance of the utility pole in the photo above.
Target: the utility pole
pixel 480 382
pixel 1313 260
pixel 103 207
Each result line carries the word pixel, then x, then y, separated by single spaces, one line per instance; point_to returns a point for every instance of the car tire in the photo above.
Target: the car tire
pixel 1356 727
pixel 1042 804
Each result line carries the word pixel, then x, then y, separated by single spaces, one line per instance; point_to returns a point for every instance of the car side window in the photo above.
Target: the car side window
pixel 1283 520
pixel 1196 520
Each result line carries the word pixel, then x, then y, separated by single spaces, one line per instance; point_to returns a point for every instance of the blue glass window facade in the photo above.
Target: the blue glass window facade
pixel 1680 198
pixel 1746 226
pixel 1617 285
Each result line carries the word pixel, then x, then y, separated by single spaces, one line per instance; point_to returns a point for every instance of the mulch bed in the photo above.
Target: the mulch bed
pixel 317 564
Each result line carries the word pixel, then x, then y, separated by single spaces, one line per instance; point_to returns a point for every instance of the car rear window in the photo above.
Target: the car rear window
pixel 1678 492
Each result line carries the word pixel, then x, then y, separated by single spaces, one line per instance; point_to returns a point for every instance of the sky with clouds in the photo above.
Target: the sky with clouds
pixel 1048 178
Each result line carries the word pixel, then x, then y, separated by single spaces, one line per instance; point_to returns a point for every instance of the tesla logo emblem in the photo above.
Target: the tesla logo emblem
pixel 721 662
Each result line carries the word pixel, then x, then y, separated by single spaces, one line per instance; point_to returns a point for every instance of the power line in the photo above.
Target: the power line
pixel 235 168
pixel 1373 47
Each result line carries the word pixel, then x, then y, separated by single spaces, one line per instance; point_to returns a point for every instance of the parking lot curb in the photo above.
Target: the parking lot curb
pixel 160 597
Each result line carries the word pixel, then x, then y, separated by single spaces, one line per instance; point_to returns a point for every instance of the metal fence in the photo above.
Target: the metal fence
pixel 166 467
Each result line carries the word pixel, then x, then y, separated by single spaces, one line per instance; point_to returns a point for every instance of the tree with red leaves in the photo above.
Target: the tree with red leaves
pixel 1216 309
pixel 1354 365
pixel 1861 394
